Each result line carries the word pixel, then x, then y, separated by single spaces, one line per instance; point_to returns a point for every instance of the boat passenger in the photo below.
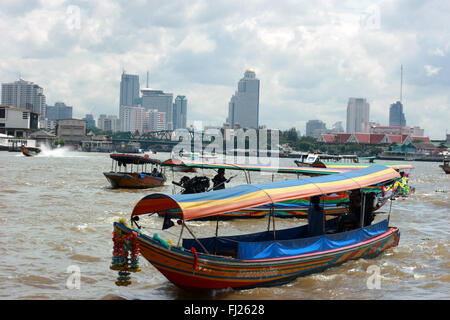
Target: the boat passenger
pixel 219 180
pixel 316 218
pixel 353 220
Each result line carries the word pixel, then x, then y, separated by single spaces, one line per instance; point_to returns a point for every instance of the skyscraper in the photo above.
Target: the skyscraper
pixel 243 108
pixel 24 94
pixel 58 112
pixel 129 94
pixel 129 89
pixel 161 101
pixel 179 112
pixel 396 115
pixel 314 128
pixel 358 110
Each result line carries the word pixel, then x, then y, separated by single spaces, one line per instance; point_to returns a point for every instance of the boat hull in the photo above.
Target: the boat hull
pixel 445 168
pixel 199 272
pixel 133 180
pixel 30 151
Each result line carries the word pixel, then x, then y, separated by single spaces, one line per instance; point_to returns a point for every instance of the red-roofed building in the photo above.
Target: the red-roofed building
pixel 378 139
pixel 362 138
pixel 423 139
pixel 343 137
pixel 366 138
pixel 395 138
pixel 327 138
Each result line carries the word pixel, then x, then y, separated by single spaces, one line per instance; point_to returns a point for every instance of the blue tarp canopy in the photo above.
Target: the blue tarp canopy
pixel 289 248
pixel 288 243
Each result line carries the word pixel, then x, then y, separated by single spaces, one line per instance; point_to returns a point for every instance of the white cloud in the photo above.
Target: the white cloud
pixel 430 70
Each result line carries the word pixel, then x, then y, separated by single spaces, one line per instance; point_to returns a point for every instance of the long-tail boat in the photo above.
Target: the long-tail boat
pixel 30 151
pixel 265 258
pixel 446 165
pixel 139 178
pixel 314 161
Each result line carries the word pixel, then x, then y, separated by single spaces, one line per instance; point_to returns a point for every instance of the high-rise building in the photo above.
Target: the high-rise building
pixel 314 128
pixel 129 94
pixel 156 120
pixel 59 111
pixel 161 101
pixel 396 115
pixel 358 110
pixel 24 94
pixel 109 122
pixel 337 127
pixel 133 119
pixel 129 89
pixel 179 112
pixel 243 108
pixel 90 122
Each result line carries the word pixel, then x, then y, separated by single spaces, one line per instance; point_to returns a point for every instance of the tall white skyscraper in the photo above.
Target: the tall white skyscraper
pixel 358 110
pixel 129 95
pixel 24 94
pixel 243 108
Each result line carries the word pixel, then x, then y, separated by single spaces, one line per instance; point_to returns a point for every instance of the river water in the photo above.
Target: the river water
pixel 57 211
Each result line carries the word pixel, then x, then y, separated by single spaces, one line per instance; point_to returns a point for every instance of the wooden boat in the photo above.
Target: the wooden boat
pixel 177 166
pixel 315 161
pixel 446 166
pixel 266 258
pixel 30 151
pixel 139 178
pixel 334 204
pixel 309 171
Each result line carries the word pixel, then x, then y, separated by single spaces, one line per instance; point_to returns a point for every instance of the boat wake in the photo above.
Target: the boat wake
pixel 60 152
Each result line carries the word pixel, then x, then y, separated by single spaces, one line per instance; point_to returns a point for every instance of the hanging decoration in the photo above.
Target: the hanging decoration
pixel 125 255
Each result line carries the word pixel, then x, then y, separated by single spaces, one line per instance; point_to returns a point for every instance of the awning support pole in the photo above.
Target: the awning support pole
pixel 195 238
pixel 181 233
pixel 363 208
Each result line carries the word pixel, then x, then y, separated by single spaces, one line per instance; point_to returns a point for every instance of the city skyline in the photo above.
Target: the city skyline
pixel 309 60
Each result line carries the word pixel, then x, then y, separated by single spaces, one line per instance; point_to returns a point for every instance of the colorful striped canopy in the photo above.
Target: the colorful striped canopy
pixel 356 166
pixel 207 204
pixel 253 167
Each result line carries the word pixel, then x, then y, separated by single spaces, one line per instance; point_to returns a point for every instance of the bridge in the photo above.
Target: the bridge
pixel 159 140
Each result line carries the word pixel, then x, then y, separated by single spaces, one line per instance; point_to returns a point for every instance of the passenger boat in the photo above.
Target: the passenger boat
pixel 247 168
pixel 30 151
pixel 138 179
pixel 319 161
pixel 333 204
pixel 446 165
pixel 265 258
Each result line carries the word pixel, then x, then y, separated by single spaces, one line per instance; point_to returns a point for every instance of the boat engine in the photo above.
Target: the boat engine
pixel 196 184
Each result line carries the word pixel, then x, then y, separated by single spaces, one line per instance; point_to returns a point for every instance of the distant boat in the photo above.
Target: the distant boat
pixel 138 179
pixel 348 162
pixel 30 151
pixel 446 165
pixel 321 160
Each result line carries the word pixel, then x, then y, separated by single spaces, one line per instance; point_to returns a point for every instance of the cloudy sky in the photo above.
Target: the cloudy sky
pixel 310 56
